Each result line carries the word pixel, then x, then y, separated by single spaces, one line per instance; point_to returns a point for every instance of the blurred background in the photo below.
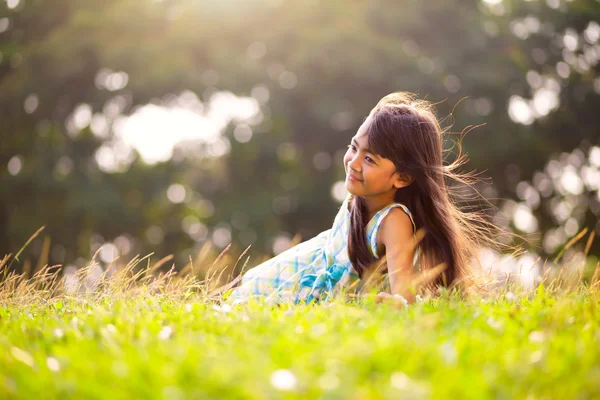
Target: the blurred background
pixel 157 126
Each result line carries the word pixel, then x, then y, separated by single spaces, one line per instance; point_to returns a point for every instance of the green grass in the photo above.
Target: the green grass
pixel 541 345
pixel 133 332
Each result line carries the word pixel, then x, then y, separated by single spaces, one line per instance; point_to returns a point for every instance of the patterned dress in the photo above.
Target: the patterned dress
pixel 312 270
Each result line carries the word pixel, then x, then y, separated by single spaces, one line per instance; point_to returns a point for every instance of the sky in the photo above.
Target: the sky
pixel 154 130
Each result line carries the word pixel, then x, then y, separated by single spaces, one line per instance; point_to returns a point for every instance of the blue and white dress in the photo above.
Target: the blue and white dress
pixel 315 269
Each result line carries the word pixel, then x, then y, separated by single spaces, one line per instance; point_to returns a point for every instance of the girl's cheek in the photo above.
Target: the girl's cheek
pixel 347 159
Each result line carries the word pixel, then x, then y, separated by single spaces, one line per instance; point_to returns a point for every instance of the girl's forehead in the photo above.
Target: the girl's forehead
pixel 362 140
pixel 361 135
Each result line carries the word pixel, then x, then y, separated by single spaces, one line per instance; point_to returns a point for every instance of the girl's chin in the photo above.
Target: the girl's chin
pixel 351 187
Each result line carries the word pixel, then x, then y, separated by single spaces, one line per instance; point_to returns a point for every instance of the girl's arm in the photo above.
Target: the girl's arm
pixel 396 234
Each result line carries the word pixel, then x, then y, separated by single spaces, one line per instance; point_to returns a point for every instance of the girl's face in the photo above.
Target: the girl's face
pixel 367 174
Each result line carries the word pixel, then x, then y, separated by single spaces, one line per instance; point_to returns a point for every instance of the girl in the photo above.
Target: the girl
pixel 396 182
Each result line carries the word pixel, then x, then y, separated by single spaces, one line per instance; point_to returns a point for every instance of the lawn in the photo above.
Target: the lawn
pixel 167 341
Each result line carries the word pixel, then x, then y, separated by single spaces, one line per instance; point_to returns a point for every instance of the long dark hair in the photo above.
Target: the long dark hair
pixel 405 130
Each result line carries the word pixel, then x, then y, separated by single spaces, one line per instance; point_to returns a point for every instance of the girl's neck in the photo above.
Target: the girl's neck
pixel 376 203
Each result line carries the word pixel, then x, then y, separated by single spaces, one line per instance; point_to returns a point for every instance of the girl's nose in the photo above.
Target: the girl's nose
pixel 354 163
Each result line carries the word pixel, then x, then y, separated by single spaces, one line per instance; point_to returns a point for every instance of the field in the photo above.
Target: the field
pixel 140 336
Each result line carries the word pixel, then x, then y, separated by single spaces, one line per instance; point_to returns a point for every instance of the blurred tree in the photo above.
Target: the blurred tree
pixel 321 66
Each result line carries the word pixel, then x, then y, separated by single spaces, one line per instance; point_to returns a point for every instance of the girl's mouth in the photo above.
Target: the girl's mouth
pixel 353 178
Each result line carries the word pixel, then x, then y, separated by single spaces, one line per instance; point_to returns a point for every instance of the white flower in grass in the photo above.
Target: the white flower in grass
pixel 53 364
pixel 536 337
pixel 165 333
pixel 284 379
pixel 58 333
pixel 399 380
pixel 536 357
pixel 188 307
pixel 412 388
pixel 510 296
pixel 225 308
pixel 449 353
pixel 239 301
pixel 111 328
pixel 495 325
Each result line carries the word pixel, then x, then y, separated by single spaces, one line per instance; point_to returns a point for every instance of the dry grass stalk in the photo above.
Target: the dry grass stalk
pixel 119 279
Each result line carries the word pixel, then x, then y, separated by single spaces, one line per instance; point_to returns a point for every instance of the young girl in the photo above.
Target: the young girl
pixel 396 182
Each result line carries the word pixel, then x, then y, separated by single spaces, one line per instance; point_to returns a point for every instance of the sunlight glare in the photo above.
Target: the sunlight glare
pixel 338 191
pixel 519 111
pixel 154 131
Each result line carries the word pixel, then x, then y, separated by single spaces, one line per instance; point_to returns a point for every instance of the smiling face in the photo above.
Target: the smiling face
pixel 368 174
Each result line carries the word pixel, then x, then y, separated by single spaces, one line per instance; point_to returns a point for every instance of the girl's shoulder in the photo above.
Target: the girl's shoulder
pixel 397 222
pixel 396 213
pixel 393 223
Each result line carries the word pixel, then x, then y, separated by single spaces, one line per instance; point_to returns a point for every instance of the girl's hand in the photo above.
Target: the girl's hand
pixel 398 302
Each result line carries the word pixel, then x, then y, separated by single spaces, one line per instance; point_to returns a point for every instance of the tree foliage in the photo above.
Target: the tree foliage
pixel 322 65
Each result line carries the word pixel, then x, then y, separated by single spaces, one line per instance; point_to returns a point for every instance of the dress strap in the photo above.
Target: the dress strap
pixel 407 211
pixel 348 198
pixel 373 232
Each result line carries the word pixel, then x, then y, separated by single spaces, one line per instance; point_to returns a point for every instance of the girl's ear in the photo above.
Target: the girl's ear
pixel 402 180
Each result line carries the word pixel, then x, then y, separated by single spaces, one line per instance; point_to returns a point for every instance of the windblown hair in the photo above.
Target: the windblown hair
pixel 405 130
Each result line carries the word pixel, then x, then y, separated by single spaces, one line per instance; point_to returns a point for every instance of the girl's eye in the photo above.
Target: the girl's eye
pixel 370 160
pixel 351 146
